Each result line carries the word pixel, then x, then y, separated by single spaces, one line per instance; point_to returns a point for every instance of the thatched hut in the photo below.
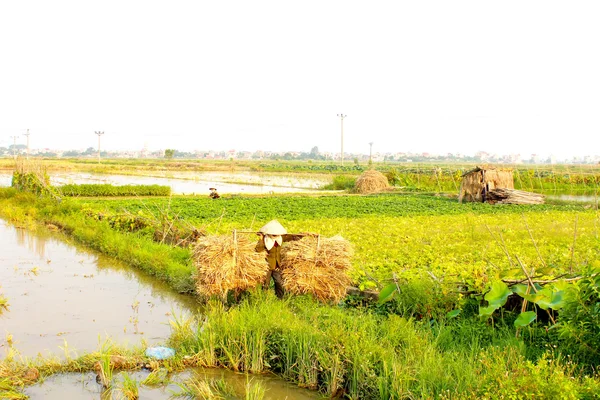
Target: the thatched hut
pixel 371 181
pixel 478 182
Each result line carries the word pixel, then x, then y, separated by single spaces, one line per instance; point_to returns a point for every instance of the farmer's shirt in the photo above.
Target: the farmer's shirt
pixel 273 255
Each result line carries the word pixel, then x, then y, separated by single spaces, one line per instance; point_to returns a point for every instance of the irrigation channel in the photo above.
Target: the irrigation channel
pixel 67 300
pixel 191 183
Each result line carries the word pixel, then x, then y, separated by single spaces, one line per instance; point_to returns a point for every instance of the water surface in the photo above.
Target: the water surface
pixel 191 183
pixel 84 386
pixel 59 293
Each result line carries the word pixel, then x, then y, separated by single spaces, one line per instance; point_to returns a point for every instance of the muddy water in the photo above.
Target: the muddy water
pixel 84 386
pixel 192 183
pixel 579 198
pixel 60 294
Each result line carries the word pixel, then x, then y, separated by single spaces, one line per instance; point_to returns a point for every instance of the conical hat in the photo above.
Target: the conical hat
pixel 273 228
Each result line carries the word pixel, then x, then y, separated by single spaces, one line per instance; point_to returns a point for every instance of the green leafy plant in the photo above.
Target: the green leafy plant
pixel 579 321
pixel 496 297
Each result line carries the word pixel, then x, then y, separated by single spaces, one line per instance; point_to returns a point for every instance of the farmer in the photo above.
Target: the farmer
pixel 272 236
pixel 213 193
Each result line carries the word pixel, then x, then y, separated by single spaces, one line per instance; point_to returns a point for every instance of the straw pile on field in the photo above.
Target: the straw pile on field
pixel 318 266
pixel 371 181
pixel 226 263
pixel 513 196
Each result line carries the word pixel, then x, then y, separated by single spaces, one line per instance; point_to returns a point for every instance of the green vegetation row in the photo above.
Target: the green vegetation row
pixel 237 209
pixel 342 352
pixel 108 190
pixel 414 346
pixel 358 354
pixel 422 177
pixel 107 235
pixel 402 234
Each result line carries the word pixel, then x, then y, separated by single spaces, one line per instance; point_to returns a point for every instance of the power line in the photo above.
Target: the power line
pixel 27 134
pixel 99 133
pixel 342 116
pixel 14 146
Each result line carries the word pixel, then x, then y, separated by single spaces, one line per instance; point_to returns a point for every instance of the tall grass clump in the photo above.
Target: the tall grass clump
pixel 578 325
pixel 254 390
pixel 341 182
pixel 129 387
pixel 361 355
pixel 196 388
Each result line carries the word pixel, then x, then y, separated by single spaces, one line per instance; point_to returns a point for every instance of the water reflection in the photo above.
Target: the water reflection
pixel 578 198
pixel 193 183
pixel 84 386
pixel 33 244
pixel 61 294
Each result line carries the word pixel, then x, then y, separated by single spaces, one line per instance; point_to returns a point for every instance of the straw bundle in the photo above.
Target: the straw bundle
pixel 371 181
pixel 513 196
pixel 226 263
pixel 318 266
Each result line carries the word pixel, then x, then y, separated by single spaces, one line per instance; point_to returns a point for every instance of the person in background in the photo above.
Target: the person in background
pixel 213 193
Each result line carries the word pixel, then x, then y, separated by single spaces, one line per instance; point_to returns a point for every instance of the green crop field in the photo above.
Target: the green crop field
pixel 444 326
pixel 405 234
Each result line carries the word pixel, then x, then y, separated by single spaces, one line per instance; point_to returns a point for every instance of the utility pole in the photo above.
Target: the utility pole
pixel 370 153
pixel 342 116
pixel 14 147
pixel 99 135
pixel 27 134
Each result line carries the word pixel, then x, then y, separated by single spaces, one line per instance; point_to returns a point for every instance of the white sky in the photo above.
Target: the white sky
pixel 421 76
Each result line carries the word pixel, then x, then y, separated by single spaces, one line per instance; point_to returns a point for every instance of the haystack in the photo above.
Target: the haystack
pixel 371 181
pixel 318 266
pixel 226 263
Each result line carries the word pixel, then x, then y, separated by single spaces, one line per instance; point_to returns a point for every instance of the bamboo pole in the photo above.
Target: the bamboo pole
pixel 573 247
pixel 235 247
pixel 533 286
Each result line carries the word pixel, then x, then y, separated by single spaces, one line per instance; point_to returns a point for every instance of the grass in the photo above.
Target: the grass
pixel 254 390
pixel 403 349
pixel 366 356
pixel 105 371
pixel 351 352
pixel 99 190
pixel 404 234
pixel 129 387
pixel 172 265
pixel 17 371
pixel 209 390
pixel 157 377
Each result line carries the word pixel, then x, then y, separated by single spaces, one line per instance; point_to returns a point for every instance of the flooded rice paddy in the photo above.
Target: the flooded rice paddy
pixel 192 183
pixel 66 300
pixel 84 386
pixel 60 295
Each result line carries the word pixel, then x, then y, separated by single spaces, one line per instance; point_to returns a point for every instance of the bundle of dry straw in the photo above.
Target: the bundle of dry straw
pixel 317 265
pixel 371 181
pixel 226 263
